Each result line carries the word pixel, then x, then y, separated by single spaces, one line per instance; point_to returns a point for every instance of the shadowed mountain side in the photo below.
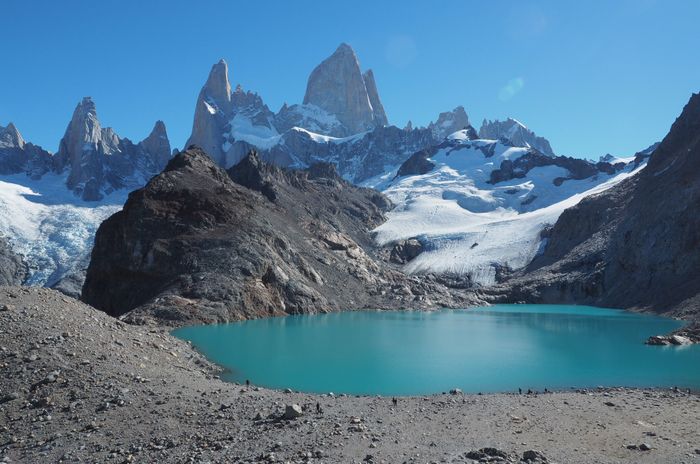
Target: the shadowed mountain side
pixel 196 246
pixel 636 245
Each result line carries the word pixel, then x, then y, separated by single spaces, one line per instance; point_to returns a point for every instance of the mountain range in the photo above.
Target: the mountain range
pixel 476 204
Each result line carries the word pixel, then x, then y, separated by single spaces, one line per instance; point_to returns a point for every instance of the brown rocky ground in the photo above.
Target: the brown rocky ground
pixel 77 385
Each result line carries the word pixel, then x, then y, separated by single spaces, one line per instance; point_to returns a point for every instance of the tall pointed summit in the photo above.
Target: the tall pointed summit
pixel 99 161
pixel 338 87
pixel 211 113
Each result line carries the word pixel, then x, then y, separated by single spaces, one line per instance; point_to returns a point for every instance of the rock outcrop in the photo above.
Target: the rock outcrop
pixel 13 270
pixel 450 122
pixel 198 244
pixel 18 156
pixel 577 168
pixel 380 117
pixel 338 87
pixel 98 161
pixel 516 133
pixel 634 245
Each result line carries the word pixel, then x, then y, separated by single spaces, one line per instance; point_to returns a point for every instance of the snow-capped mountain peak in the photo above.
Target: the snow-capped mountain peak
pixel 516 133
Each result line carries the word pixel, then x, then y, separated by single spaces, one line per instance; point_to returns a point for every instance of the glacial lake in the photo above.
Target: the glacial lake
pixel 490 349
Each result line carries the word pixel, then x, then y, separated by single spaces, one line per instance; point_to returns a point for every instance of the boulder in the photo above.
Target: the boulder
pixel 292 411
pixel 405 250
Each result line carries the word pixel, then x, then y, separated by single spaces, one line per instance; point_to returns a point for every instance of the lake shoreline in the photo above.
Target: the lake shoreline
pixel 78 384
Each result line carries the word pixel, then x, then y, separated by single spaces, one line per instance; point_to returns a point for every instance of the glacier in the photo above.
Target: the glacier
pixel 51 227
pixel 469 226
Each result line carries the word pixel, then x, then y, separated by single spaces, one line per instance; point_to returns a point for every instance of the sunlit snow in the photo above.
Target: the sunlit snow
pixel 470 226
pixel 49 225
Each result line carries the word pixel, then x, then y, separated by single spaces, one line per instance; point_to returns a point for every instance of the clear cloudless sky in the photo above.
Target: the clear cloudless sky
pixel 593 77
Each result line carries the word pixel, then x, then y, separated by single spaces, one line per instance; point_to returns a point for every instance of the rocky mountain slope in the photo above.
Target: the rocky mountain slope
pixel 51 205
pixel 198 244
pixel 481 208
pixel 634 245
pixel 13 270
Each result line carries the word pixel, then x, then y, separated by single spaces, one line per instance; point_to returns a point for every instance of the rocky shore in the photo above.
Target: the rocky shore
pixel 77 385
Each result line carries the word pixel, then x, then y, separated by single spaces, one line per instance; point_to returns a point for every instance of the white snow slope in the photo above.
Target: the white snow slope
pixel 51 227
pixel 469 226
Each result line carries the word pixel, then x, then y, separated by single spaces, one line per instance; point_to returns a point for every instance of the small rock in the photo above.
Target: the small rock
pixel 7 308
pixel 645 447
pixel 9 397
pixel 455 391
pixel 292 411
pixel 534 456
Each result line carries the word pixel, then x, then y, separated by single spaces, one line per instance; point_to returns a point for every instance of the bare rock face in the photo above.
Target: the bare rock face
pixel 515 133
pixel 157 145
pixel 13 270
pixel 377 107
pixel 17 156
pixel 99 161
pixel 634 245
pixel 198 244
pixel 450 122
pixel 217 110
pixel 338 87
pixel 211 113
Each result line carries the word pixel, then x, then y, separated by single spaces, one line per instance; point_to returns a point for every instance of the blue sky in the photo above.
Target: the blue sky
pixel 593 77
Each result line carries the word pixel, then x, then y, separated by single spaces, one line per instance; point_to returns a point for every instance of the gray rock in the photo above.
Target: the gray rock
pixel 337 87
pixel 99 162
pixel 533 456
pixel 292 411
pixel 377 107
pixel 13 269
pixel 514 133
pixel 18 156
pixel 450 122
pixel 405 250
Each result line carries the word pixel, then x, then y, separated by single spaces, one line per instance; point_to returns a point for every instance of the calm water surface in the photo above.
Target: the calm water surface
pixel 493 349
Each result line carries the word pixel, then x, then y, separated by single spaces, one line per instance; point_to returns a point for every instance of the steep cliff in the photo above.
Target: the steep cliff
pixel 636 245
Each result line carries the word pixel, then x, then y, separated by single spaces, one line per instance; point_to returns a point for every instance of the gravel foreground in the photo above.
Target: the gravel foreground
pixel 77 385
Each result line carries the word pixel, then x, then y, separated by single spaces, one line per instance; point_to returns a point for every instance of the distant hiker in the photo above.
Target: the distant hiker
pixel 520 391
pixel 318 408
pixel 545 390
pixel 247 383
pixel 394 400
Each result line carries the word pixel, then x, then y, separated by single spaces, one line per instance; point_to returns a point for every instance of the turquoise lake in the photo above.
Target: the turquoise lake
pixel 491 349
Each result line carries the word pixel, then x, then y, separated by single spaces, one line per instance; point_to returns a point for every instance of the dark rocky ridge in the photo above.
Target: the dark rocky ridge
pixel 13 270
pixel 419 163
pixel 195 246
pixel 578 168
pixel 636 245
